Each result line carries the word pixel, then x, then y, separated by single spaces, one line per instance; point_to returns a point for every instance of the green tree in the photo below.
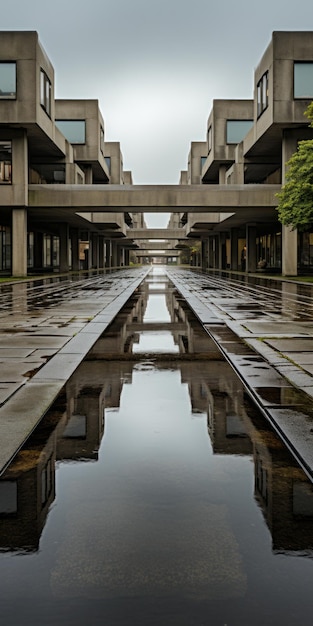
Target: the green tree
pixel 295 207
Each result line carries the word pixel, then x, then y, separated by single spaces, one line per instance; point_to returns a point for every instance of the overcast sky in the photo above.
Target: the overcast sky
pixel 155 66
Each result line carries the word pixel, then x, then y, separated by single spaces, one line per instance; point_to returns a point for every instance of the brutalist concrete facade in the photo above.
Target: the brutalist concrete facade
pixel 248 143
pixel 67 203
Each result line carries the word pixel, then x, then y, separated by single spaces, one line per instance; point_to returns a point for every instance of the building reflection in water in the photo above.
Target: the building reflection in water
pixel 73 429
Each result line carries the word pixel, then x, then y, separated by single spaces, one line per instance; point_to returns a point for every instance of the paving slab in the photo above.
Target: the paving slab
pixel 54 344
pixel 21 414
pixel 279 328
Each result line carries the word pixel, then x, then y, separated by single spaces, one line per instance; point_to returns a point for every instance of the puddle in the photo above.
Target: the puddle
pixel 153 492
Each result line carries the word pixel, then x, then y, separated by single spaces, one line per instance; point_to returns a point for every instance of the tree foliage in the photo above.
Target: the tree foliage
pixel 295 207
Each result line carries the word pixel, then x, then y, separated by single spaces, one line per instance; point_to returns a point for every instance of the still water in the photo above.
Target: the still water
pixel 154 493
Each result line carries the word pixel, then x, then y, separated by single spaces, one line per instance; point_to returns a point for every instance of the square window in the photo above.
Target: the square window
pixel 236 130
pixel 7 80
pixel 303 80
pixel 73 130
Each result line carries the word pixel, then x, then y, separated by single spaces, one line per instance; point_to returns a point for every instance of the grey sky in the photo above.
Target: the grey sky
pixel 155 67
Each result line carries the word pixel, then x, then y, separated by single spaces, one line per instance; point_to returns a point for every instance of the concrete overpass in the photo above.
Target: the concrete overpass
pixel 156 198
pixel 156 233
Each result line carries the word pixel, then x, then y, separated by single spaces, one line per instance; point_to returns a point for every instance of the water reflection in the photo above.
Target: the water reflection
pixel 154 493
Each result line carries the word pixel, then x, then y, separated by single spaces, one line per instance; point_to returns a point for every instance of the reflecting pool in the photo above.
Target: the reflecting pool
pixel 153 492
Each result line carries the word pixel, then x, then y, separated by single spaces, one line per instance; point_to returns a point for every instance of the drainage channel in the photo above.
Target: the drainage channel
pixel 153 491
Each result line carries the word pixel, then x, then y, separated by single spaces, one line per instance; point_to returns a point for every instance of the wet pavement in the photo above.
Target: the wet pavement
pixel 46 329
pixel 264 328
pixel 153 491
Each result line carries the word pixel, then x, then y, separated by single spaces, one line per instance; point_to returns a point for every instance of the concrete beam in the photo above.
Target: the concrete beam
pixel 156 233
pixel 154 198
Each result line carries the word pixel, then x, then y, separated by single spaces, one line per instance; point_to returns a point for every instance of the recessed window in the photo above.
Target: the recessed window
pixel 236 130
pixel 303 80
pixel 7 80
pixel 209 139
pixel 262 94
pixel 73 130
pixel 45 92
pixel 5 162
pixel 102 139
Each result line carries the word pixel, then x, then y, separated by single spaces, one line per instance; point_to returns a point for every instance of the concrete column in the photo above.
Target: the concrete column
pixel 19 215
pixel 251 262
pixel 222 175
pixel 75 249
pixel 95 251
pixel 101 252
pixel 38 250
pixel 88 175
pixel 204 254
pixel 211 252
pixel 234 264
pixel 108 253
pixel 19 242
pixel 289 236
pixel 64 247
pixel 222 251
pixel 20 168
pixel 115 259
pixel 127 256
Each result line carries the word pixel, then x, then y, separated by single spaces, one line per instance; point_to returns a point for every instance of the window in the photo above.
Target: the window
pixel 102 139
pixel 7 80
pixel 108 162
pixel 45 92
pixel 210 139
pixel 303 80
pixel 236 130
pixel 5 162
pixel 262 94
pixel 73 130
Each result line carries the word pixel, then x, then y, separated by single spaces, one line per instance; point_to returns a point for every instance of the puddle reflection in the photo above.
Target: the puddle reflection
pixel 153 492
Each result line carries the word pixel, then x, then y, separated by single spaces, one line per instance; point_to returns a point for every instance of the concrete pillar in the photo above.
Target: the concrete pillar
pixel 20 168
pixel 101 252
pixel 88 175
pixel 126 256
pixel 204 253
pixel 19 215
pixel 222 175
pixel 115 259
pixel 289 236
pixel 211 252
pixel 64 247
pixel 75 249
pixel 251 262
pixel 234 264
pixel 38 250
pixel 108 253
pixel 95 251
pixel 19 242
pixel 222 251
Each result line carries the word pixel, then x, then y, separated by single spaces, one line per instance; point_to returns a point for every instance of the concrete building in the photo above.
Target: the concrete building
pixel 248 143
pixel 67 203
pixel 52 142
